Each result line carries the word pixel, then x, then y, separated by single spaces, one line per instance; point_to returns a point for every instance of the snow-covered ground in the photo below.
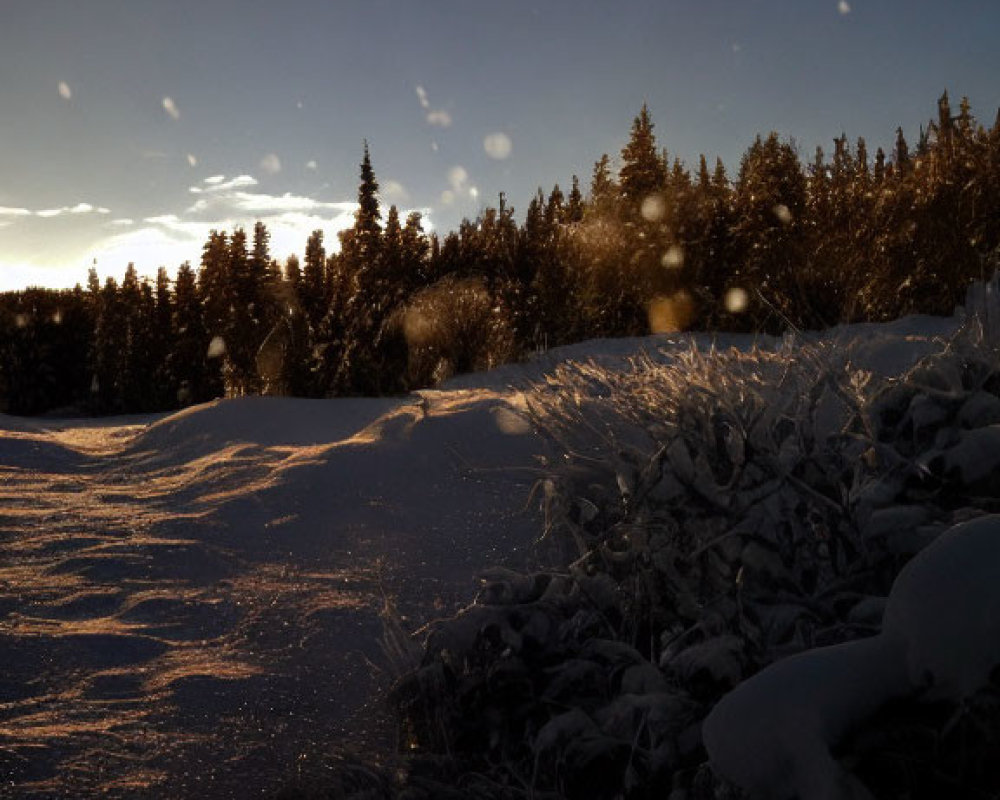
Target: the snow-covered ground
pixel 189 604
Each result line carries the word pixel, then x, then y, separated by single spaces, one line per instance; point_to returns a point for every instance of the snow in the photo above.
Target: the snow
pixel 940 637
pixel 192 600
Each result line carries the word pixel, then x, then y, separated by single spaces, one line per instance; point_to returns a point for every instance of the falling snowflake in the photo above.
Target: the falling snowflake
pixel 271 164
pixel 171 108
pixel 498 146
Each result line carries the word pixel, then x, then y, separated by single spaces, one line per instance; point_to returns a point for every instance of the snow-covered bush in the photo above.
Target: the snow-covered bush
pixel 724 511
pixel 452 327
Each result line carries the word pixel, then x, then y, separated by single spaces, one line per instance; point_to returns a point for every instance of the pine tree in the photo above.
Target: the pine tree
pixel 368 216
pixel 574 203
pixel 190 355
pixel 110 334
pixel 312 289
pixel 603 189
pixel 161 341
pixel 643 173
pixel 242 335
pixel 901 155
pixel 770 205
pixel 416 254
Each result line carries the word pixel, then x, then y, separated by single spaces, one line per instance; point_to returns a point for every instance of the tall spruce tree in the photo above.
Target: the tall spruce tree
pixel 190 353
pixel 643 173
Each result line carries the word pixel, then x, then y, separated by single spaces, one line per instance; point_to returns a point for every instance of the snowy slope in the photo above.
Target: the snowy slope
pixel 191 601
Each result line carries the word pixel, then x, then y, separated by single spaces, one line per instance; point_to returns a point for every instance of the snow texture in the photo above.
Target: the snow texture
pixel 191 601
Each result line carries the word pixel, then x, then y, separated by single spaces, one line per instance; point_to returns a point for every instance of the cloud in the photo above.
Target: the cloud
pixel 440 119
pixel 844 7
pixel 122 222
pixel 163 219
pixel 87 208
pixel 312 165
pixel 218 183
pixel 79 208
pixel 192 160
pixel 498 146
pixel 6 211
pixel 64 91
pixel 422 97
pixel 171 108
pixel 268 203
pixel 271 164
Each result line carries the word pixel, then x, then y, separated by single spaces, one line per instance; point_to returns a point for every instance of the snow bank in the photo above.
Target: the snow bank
pixel 773 734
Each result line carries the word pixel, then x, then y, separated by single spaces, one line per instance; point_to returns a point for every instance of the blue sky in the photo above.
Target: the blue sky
pixel 129 128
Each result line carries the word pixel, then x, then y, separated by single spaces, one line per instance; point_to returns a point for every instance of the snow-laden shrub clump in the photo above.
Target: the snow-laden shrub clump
pixel 727 514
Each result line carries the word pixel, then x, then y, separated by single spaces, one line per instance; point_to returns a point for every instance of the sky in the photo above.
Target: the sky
pixel 131 128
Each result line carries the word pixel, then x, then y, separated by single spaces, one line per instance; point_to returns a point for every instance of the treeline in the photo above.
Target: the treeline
pixel 652 246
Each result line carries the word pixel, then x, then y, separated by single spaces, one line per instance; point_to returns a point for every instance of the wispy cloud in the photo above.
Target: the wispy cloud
pixel 46 213
pixel 64 91
pixel 219 184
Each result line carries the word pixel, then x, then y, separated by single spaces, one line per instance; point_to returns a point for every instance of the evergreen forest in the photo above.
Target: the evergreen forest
pixel 651 244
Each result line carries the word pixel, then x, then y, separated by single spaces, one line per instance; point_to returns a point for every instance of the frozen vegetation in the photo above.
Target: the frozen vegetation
pixel 703 566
